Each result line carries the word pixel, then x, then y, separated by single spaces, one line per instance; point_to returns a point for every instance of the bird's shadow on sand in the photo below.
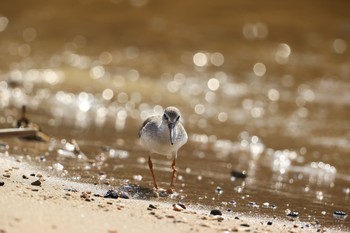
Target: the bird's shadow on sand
pixel 142 193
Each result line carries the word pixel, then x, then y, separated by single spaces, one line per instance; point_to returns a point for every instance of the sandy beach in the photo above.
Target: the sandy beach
pixel 33 201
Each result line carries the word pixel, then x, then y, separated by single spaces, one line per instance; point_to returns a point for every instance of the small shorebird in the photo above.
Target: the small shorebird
pixel 163 135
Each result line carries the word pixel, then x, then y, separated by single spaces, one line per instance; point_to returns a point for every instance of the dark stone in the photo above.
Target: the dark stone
pixel 2 183
pixel 239 174
pixel 111 194
pixel 215 212
pixel 32 174
pixel 269 223
pixel 293 214
pixel 151 207
pixel 25 177
pixel 36 183
pixel 340 214
pixel 245 225
pixel 182 205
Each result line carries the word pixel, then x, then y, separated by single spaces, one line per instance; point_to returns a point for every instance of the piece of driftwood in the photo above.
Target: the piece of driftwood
pixel 25 133
pixel 17 132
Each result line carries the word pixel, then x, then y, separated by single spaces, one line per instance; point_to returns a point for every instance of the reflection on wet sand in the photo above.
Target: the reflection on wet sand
pixel 261 95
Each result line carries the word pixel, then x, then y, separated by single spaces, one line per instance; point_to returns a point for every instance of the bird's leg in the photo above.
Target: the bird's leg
pixel 150 164
pixel 173 178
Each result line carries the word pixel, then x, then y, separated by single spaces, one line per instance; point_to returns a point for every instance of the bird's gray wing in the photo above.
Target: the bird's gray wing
pixel 144 124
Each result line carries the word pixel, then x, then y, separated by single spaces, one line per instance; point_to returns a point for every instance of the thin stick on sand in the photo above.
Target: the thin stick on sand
pixel 18 132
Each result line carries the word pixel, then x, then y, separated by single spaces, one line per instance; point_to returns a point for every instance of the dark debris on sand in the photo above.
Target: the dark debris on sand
pixel 116 194
pixel 111 194
pixel 239 174
pixel 215 212
pixel 36 183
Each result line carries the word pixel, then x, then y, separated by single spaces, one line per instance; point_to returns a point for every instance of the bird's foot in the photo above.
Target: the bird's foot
pixel 158 189
pixel 170 190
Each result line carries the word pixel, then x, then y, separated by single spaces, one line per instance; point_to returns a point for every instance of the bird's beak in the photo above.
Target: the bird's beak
pixel 171 130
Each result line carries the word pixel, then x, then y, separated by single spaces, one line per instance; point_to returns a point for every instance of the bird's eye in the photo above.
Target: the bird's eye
pixel 177 118
pixel 165 117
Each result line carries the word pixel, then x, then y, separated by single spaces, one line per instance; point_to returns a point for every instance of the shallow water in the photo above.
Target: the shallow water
pixel 263 88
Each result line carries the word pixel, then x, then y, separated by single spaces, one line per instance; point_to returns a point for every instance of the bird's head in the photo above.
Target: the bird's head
pixel 171 116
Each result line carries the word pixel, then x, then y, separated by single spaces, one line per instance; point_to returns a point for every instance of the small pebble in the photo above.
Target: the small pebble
pixel 178 207
pixel 36 183
pixel 239 174
pixel 293 214
pixel 25 177
pixel 2 183
pixel 151 207
pixel 218 190
pixel 85 195
pixel 156 194
pixel 32 174
pixel 245 225
pixel 205 225
pixel 266 205
pixel 182 205
pixel 340 214
pixel 269 223
pixel 253 204
pixel 232 202
pixel 215 212
pixel 137 177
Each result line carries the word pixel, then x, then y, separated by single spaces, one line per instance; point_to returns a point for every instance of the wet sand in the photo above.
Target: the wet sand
pixel 59 205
